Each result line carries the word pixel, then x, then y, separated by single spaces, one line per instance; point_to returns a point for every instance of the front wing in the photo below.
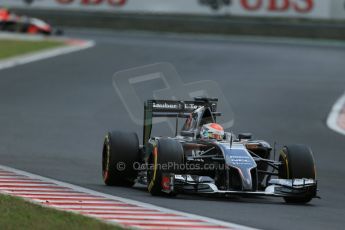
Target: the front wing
pixel 276 187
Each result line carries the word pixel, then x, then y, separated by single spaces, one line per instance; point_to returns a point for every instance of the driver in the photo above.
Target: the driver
pixel 212 131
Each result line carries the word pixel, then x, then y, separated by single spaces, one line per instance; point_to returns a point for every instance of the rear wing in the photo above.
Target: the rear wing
pixel 173 109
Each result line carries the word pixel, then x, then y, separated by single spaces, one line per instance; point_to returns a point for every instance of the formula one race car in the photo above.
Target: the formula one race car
pixel 203 159
pixel 12 22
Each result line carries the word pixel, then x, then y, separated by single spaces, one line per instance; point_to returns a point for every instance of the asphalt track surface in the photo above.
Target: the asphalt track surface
pixel 54 114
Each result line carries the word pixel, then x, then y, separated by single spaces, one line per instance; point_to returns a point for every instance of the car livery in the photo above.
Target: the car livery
pixel 12 22
pixel 187 163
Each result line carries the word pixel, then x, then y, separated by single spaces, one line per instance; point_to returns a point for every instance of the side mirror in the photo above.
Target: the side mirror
pixel 187 133
pixel 245 136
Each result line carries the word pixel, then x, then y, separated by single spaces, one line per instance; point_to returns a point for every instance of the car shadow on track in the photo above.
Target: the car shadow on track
pixel 140 193
pixel 233 198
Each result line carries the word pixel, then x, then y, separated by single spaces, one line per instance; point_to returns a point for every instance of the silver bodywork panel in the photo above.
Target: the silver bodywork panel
pixel 237 156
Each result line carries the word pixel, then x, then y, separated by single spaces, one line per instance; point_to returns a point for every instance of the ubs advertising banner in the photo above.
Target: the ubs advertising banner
pixel 265 8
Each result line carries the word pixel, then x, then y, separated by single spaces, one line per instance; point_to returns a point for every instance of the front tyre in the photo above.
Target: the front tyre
pixel 297 163
pixel 120 152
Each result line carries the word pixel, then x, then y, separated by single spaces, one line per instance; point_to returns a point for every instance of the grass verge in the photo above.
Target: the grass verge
pixel 16 213
pixel 10 48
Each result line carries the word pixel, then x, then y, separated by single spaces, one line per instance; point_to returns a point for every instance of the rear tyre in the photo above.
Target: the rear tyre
pixel 167 152
pixel 120 152
pixel 298 163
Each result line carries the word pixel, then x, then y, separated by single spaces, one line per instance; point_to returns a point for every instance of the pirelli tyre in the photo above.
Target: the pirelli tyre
pixel 120 152
pixel 297 163
pixel 167 152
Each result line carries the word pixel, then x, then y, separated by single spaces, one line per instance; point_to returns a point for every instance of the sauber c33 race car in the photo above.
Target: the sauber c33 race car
pixel 203 159
pixel 12 22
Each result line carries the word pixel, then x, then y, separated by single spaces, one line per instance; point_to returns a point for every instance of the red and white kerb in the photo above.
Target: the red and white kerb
pixel 124 212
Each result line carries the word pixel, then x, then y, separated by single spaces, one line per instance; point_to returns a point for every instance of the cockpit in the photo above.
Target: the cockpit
pixel 197 119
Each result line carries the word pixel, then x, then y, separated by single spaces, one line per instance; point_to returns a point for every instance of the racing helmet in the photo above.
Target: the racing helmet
pixel 212 131
pixel 4 10
pixel 4 13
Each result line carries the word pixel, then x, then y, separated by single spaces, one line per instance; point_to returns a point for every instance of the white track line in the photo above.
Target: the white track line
pixel 85 207
pixel 169 228
pixel 126 212
pixel 33 189
pixel 12 177
pixel 54 197
pixel 129 214
pixel 147 218
pixel 72 45
pixel 337 112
